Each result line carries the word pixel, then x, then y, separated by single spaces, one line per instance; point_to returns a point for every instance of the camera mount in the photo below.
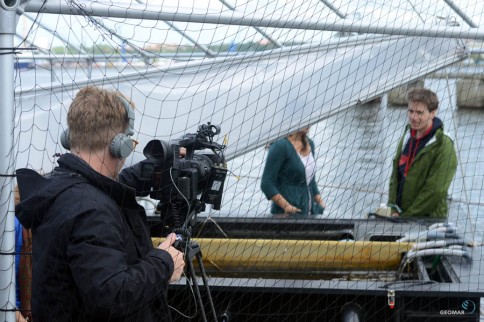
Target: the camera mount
pixel 183 185
pixel 191 249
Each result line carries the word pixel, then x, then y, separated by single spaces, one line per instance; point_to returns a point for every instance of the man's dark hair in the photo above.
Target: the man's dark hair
pixel 425 96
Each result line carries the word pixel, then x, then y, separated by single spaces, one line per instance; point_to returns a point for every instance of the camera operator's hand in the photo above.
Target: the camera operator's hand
pixel 176 255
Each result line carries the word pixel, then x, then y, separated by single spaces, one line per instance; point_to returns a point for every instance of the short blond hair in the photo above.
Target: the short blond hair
pixel 95 116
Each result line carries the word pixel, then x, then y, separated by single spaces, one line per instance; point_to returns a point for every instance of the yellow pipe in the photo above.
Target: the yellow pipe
pixel 302 255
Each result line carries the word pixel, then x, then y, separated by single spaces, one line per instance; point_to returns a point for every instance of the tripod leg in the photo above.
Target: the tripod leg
pixel 191 273
pixel 205 281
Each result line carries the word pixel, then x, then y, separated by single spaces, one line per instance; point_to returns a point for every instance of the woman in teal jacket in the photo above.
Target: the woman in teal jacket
pixel 288 178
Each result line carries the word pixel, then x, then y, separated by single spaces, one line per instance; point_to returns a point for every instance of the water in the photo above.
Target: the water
pixel 354 150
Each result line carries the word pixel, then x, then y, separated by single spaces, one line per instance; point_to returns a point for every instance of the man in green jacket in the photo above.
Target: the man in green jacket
pixel 425 162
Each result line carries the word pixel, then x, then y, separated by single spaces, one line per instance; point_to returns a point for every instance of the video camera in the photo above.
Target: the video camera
pixel 178 181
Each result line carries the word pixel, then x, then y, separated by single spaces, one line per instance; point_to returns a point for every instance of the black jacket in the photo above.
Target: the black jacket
pixel 93 259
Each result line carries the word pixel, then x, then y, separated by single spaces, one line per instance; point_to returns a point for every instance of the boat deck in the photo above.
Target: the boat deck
pixel 426 291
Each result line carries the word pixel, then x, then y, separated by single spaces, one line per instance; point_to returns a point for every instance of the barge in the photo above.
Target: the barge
pixel 331 270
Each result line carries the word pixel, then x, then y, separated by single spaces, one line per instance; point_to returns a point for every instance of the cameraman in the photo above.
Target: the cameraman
pixel 93 259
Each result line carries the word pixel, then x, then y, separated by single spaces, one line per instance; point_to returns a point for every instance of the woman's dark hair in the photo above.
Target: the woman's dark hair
pixel 304 139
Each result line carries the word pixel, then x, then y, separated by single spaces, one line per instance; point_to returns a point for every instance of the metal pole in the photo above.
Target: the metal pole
pixel 262 32
pixel 333 8
pixel 80 49
pixel 256 20
pixel 461 13
pixel 207 51
pixel 416 11
pixel 8 22
pixel 31 44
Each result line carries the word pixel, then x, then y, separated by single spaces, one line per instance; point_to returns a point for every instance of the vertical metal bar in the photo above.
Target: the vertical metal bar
pixel 8 22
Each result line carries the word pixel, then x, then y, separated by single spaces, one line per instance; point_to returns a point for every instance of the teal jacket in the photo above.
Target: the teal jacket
pixel 428 179
pixel 285 174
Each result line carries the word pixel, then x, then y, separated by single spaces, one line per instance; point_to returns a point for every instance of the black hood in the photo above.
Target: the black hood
pixel 37 192
pixel 436 124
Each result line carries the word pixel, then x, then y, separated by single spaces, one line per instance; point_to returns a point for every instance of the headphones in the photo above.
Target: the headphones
pixel 122 143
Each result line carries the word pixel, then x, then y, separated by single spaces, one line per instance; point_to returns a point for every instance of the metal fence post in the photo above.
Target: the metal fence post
pixel 8 22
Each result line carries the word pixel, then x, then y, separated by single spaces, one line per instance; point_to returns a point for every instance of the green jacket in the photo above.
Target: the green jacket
pixel 428 179
pixel 284 173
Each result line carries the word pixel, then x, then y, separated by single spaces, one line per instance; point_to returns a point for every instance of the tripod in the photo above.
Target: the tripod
pixel 191 250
